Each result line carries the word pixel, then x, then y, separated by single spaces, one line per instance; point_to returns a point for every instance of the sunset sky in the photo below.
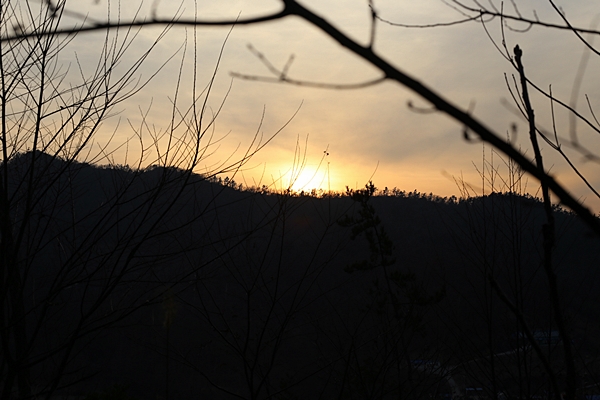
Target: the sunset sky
pixel 367 133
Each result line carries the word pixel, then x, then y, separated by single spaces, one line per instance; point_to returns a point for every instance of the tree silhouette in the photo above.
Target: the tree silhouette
pixel 29 48
pixel 388 72
pixel 78 253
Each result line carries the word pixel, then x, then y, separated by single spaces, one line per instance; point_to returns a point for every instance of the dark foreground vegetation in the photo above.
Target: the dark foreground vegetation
pixel 203 290
pixel 149 283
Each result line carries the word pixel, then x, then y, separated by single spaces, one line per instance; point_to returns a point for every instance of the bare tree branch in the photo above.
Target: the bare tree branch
pixel 445 106
pixel 103 26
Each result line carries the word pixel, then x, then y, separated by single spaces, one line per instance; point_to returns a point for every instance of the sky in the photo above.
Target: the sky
pixel 339 138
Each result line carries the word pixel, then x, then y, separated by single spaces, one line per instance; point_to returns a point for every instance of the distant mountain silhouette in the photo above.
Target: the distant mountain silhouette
pixel 246 294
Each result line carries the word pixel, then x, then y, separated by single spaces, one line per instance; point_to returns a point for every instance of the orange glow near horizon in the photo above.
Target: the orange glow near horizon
pixel 308 178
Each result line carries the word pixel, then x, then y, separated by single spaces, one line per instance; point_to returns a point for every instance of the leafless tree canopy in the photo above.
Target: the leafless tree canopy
pixel 471 12
pixel 80 256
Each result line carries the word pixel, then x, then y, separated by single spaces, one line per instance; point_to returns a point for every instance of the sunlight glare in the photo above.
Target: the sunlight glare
pixel 308 178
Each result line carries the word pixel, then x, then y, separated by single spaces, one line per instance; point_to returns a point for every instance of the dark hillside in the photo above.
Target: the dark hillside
pixel 221 293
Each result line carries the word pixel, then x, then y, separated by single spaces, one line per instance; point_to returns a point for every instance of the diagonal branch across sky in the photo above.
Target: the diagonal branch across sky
pixel 392 73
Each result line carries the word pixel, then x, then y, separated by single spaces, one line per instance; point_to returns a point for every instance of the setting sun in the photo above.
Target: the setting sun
pixel 308 178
